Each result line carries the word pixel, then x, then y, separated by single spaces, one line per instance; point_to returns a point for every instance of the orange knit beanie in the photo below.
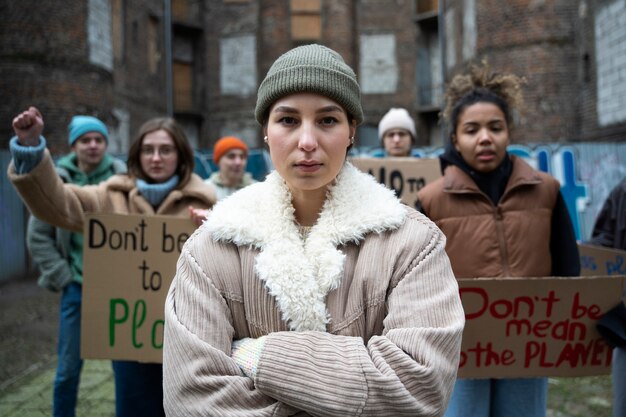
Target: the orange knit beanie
pixel 225 144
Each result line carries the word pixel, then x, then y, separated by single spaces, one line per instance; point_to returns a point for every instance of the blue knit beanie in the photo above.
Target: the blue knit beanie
pixel 84 124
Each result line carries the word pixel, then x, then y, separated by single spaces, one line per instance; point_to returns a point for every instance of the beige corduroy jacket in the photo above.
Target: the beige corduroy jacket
pixel 65 205
pixel 362 319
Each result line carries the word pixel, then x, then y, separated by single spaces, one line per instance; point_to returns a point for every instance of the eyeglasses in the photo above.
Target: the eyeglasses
pixel 163 151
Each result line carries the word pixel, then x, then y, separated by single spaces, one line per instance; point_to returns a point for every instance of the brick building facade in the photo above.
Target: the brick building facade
pixel 573 55
pixel 109 58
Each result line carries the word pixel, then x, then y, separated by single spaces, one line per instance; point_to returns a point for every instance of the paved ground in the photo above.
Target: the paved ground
pixel 32 396
pixel 28 319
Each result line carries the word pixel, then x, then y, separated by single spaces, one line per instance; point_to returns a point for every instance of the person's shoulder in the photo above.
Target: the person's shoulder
pixel 528 173
pixel 118 182
pixel 620 188
pixel 36 226
pixel 213 179
pixel 63 173
pixel 431 189
pixel 548 180
pixel 247 179
pixel 204 247
pixel 416 220
pixel 197 184
pixel 414 239
pixel 434 184
pixel 417 227
pixel 196 181
pixel 119 166
pixel 198 188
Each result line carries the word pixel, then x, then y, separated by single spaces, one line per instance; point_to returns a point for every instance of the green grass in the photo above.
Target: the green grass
pixel 580 397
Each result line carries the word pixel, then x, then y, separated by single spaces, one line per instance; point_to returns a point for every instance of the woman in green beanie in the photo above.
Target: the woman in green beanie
pixel 315 292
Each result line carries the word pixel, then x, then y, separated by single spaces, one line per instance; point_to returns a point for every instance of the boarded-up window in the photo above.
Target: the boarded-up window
pixel 117 29
pixel 153 45
pixel 183 56
pixel 238 65
pixel 189 11
pixel 306 20
pixel 426 6
pixel 180 9
pixel 183 86
pixel 99 33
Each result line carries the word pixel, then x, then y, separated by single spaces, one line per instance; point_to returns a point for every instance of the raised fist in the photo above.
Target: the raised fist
pixel 28 126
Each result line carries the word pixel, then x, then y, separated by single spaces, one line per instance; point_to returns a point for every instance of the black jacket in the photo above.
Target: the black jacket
pixel 610 227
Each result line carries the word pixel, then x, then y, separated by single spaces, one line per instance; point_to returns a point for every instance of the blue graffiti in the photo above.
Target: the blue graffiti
pixel 571 189
pixel 543 158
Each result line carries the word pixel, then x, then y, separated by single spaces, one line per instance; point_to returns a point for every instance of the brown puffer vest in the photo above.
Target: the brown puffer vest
pixel 511 239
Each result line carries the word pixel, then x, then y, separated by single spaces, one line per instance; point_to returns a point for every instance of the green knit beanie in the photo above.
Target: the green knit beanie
pixel 310 69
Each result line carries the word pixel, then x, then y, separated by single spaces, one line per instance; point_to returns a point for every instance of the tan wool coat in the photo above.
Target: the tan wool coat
pixel 363 318
pixel 65 205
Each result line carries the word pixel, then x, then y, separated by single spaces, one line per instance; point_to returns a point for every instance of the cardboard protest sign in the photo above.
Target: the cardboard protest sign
pixel 530 327
pixel 599 260
pixel 129 262
pixel 406 176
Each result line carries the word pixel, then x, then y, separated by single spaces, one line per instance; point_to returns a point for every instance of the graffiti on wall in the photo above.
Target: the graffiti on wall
pixel 561 164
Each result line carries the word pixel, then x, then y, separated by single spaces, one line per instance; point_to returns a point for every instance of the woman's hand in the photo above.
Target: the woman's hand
pixel 28 126
pixel 247 352
pixel 198 215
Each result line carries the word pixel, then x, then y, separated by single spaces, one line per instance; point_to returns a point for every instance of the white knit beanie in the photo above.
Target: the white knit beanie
pixel 396 118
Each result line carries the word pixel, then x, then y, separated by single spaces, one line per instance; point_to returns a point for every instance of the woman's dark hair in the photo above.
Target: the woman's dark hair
pixel 186 159
pixel 481 85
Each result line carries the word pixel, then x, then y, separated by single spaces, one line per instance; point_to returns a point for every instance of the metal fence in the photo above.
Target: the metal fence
pixel 14 261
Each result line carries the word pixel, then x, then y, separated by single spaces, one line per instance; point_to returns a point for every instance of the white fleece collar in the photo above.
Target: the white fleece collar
pixel 300 275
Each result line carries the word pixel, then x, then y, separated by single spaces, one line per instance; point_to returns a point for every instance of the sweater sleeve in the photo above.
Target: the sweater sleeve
pixel 53 265
pixel 409 369
pixel 49 199
pixel 199 376
pixel 603 233
pixel 25 158
pixel 563 246
pixel 610 227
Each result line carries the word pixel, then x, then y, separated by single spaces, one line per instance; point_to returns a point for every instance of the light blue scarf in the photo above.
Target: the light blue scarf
pixel 156 193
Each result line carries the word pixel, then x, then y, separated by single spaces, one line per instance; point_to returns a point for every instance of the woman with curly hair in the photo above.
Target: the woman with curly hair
pixel 513 215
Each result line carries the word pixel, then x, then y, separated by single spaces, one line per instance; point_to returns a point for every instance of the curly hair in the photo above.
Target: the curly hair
pixel 482 85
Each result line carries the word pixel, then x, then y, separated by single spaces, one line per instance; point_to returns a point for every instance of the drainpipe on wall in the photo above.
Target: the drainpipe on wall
pixel 441 28
pixel 167 29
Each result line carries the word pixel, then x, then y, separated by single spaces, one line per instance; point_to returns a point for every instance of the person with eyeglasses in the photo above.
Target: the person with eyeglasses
pixel 58 253
pixel 160 181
